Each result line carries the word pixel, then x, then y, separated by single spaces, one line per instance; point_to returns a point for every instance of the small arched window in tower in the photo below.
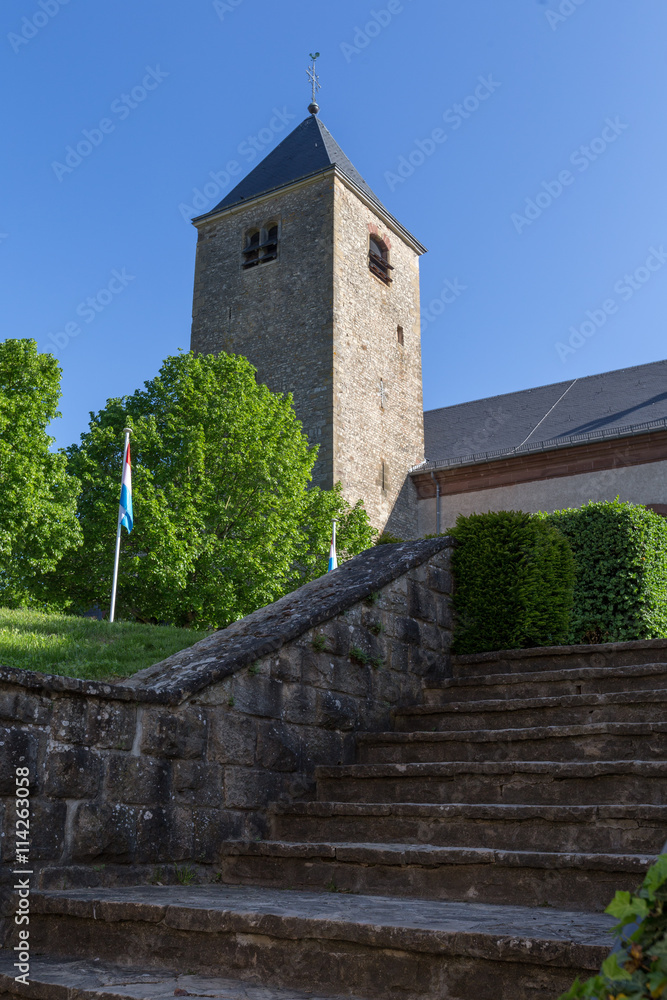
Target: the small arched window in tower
pixel 270 244
pixel 378 259
pixel 399 335
pixel 251 248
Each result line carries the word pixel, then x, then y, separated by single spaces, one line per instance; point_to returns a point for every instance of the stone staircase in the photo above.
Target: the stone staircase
pixel 468 855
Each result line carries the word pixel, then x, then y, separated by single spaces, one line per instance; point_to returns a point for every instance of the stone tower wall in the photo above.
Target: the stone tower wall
pixel 279 314
pixel 317 323
pixel 370 430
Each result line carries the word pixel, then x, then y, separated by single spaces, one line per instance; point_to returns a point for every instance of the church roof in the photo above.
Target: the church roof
pixel 611 405
pixel 309 149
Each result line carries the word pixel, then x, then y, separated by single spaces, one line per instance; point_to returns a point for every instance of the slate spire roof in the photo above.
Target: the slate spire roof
pixel 308 149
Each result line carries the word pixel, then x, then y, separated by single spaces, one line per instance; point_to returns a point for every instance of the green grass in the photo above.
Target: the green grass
pixel 84 647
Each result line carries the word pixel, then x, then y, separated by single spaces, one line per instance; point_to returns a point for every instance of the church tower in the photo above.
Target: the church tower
pixel 302 270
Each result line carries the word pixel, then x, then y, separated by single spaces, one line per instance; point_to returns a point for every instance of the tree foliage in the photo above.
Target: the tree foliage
pixel 223 520
pixel 38 523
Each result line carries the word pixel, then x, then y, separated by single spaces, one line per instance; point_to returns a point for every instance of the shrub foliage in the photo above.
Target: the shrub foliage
pixel 637 968
pixel 620 552
pixel 514 579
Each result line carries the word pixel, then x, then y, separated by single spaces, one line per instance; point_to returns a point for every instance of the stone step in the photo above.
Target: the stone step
pixel 390 949
pixel 549 683
pixel 515 783
pixel 609 655
pixel 638 829
pixel 479 874
pixel 598 741
pixel 520 713
pixel 66 979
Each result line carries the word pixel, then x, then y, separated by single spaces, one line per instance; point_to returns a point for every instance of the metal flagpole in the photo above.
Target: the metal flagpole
pixel 112 612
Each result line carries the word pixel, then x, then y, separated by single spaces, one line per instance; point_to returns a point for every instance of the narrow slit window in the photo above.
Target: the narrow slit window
pixel 399 335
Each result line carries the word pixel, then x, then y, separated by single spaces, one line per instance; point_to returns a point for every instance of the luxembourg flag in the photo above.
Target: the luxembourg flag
pixel 125 512
pixel 333 560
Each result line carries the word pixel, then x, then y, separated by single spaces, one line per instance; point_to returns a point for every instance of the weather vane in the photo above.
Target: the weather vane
pixel 314 107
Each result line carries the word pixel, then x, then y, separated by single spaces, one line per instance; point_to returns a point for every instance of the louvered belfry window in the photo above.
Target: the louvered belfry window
pixel 378 260
pixel 260 245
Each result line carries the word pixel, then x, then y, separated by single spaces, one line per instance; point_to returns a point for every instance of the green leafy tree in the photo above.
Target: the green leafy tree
pixel 223 520
pixel 38 522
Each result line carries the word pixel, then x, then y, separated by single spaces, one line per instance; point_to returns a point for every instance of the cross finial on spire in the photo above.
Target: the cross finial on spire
pixel 314 107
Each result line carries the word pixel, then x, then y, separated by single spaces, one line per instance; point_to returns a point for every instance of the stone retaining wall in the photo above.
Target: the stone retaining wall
pixel 192 751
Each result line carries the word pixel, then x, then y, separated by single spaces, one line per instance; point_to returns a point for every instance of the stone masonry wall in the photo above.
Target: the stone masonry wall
pixel 317 323
pixel 164 766
pixel 278 314
pixel 373 426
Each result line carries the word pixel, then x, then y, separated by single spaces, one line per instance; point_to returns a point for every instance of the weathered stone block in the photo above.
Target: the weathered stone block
pixel 19 748
pixel 445 613
pixel 103 832
pixel 249 788
pixel 398 657
pixel 317 669
pixel 137 780
pixel 433 638
pixel 94 722
pixel 47 829
pixel 206 835
pixel 155 835
pixel 349 678
pixel 299 703
pixel 419 574
pixel 324 746
pixel 182 833
pixel 421 603
pixel 287 666
pixel 440 580
pixel 72 773
pixel 337 634
pixel 19 705
pixel 337 711
pixel 181 733
pixel 277 747
pixel 425 663
pixel 257 695
pixel 232 737
pixel 197 784
pixel 407 630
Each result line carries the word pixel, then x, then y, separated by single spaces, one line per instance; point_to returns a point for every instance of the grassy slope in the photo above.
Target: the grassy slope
pixel 84 647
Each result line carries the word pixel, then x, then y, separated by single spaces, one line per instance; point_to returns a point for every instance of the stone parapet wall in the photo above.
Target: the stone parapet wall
pixel 194 750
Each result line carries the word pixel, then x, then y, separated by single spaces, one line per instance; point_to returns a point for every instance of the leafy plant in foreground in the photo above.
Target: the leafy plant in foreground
pixel 637 968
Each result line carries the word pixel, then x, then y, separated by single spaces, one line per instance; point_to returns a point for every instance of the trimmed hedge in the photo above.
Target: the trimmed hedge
pixel 637 967
pixel 514 581
pixel 620 553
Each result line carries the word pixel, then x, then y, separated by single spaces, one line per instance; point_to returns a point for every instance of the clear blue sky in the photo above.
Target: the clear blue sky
pixel 560 71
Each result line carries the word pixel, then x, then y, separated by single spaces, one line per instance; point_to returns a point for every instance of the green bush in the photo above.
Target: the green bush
pixel 637 970
pixel 514 579
pixel 620 553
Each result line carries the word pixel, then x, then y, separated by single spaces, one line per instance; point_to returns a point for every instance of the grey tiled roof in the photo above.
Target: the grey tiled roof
pixel 309 148
pixel 613 404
